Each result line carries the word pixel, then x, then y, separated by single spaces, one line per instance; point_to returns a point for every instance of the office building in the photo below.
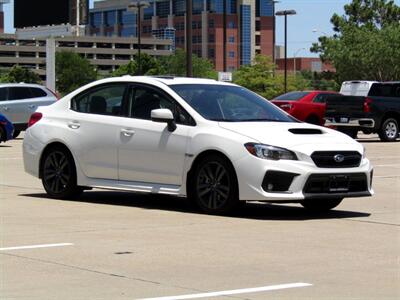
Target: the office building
pixel 250 26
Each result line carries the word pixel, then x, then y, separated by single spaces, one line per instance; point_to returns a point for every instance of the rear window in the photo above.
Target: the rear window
pixel 36 92
pixel 292 96
pixel 385 90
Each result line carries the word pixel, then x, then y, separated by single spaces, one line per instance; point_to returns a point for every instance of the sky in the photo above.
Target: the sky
pixel 311 15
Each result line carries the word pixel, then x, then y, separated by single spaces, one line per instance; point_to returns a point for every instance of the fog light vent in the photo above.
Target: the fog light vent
pixel 277 181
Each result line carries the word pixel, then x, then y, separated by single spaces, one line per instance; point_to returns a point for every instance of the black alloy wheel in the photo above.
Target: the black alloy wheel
pixel 59 174
pixel 16 133
pixel 321 205
pixel 215 185
pixel 389 131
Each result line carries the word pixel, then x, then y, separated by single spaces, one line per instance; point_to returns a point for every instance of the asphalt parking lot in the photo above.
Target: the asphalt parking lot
pixel 114 245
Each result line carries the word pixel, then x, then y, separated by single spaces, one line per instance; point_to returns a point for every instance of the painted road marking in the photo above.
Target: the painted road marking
pixel 234 292
pixel 36 246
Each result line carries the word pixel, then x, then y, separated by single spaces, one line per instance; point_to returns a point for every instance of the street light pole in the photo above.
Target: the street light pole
pixel 137 6
pixel 286 13
pixel 189 67
pixel 224 36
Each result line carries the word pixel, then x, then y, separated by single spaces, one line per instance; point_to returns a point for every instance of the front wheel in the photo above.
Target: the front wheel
pixel 59 174
pixel 214 185
pixel 320 205
pixel 16 133
pixel 389 130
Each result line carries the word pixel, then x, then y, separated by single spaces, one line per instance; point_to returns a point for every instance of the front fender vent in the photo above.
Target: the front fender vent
pixel 305 131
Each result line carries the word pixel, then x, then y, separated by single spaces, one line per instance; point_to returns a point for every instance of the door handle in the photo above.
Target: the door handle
pixel 74 125
pixel 5 108
pixel 31 106
pixel 127 132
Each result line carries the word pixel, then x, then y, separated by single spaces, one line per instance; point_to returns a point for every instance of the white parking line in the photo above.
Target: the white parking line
pixel 36 246
pixel 234 292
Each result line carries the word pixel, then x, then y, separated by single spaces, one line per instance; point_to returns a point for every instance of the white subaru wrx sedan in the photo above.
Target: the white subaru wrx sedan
pixel 216 143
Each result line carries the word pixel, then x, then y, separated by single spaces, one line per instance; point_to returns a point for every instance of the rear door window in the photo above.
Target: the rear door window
pixel 19 93
pixel 104 100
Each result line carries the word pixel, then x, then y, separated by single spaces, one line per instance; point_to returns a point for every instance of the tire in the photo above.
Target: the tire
pixel 214 187
pixel 313 120
pixel 389 131
pixel 59 174
pixel 16 133
pixel 351 132
pixel 3 134
pixel 320 205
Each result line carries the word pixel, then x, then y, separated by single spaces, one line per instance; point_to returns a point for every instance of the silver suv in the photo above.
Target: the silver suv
pixel 19 100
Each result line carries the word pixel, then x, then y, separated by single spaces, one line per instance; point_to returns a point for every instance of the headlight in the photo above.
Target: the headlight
pixel 270 152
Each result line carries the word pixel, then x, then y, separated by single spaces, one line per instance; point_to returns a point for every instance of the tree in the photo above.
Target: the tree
pixel 176 65
pixel 366 42
pixel 20 74
pixel 149 66
pixel 73 71
pixel 261 77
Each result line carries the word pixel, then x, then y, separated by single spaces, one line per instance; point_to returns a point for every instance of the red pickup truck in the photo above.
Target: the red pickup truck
pixel 307 106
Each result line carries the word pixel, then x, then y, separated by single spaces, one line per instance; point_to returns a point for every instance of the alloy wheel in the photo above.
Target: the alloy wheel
pixel 56 172
pixel 391 130
pixel 213 185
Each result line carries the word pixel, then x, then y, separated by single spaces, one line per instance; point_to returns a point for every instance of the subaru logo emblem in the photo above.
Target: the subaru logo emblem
pixel 339 158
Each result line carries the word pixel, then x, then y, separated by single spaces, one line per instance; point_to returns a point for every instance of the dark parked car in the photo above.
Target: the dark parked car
pixel 6 129
pixel 379 112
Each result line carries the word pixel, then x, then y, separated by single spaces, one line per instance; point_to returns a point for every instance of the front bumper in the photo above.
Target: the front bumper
pixel 350 122
pixel 251 172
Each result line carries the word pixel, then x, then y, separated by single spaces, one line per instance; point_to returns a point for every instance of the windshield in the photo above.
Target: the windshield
pixel 229 103
pixel 292 96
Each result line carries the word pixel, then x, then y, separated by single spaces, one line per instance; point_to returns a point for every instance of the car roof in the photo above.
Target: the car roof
pixel 169 80
pixel 21 85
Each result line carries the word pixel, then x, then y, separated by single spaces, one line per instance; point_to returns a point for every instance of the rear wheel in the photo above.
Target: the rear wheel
pixel 3 135
pixel 351 132
pixel 16 133
pixel 320 205
pixel 313 120
pixel 389 131
pixel 214 187
pixel 59 174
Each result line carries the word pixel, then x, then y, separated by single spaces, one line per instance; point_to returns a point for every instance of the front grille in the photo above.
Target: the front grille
pixel 276 181
pixel 336 183
pixel 336 159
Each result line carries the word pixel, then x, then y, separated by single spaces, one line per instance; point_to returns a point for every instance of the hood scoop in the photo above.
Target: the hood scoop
pixel 305 131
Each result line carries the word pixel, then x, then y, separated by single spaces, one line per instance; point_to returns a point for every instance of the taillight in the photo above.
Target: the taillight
pixel 35 117
pixel 367 102
pixel 286 107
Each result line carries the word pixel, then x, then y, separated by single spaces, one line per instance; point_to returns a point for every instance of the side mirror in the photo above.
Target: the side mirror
pixel 163 115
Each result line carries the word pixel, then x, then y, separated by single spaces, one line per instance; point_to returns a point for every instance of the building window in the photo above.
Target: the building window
pixel 231 24
pixel 96 19
pixel 217 6
pixel 211 38
pixel 179 7
pixel 258 25
pixel 148 12
pixel 197 7
pixel 264 8
pixel 162 9
pixel 211 23
pixel 211 52
pixel 128 18
pixel 245 40
pixel 110 18
pixel 231 39
pixel 258 40
pixel 231 54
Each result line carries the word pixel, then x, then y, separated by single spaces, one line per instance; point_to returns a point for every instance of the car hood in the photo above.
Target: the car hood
pixel 302 137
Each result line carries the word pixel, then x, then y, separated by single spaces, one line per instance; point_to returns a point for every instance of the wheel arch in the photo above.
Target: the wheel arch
pixel 390 114
pixel 198 159
pixel 48 148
